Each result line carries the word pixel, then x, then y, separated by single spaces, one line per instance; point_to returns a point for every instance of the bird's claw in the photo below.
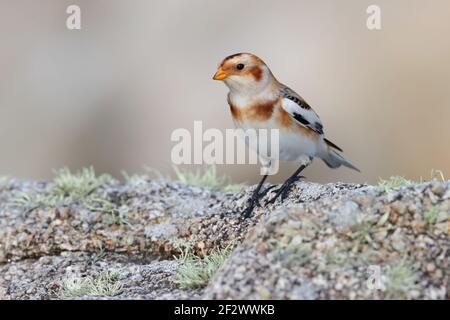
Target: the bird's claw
pixel 280 191
pixel 254 201
pixel 283 191
pixel 248 211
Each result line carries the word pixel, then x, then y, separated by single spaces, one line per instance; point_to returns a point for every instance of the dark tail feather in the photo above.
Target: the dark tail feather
pixel 331 144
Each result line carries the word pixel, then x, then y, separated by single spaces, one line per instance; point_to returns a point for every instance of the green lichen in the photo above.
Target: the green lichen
pixel 393 183
pixel 207 178
pixel 102 204
pixel 103 284
pixel 400 280
pixel 77 185
pixel 195 272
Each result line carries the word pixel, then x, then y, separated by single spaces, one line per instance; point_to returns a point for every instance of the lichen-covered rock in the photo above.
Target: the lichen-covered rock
pixel 159 214
pixel 361 245
pixel 324 241
pixel 42 278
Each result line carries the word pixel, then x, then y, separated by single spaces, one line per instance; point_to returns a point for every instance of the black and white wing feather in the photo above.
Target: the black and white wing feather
pixel 297 107
pixel 302 112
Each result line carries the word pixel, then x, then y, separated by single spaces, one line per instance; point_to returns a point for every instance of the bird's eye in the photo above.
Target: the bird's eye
pixel 240 66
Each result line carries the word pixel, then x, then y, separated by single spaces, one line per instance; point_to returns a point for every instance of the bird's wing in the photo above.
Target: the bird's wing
pixel 302 112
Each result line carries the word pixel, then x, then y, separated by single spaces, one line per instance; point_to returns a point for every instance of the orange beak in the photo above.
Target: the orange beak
pixel 220 75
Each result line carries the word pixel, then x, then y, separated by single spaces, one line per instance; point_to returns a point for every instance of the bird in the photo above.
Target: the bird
pixel 257 100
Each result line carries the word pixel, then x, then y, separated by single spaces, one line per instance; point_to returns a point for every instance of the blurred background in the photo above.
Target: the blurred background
pixel 110 94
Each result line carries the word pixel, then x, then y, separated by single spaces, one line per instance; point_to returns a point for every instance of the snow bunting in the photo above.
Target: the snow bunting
pixel 257 100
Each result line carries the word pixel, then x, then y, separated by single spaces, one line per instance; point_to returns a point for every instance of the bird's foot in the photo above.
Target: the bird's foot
pixel 263 193
pixel 283 191
pixel 254 201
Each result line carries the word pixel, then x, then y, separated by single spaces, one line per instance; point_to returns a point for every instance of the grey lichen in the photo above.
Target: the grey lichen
pixel 103 284
pixel 65 189
pixel 400 280
pixel 195 272
pixel 207 178
pixel 394 183
pixel 103 204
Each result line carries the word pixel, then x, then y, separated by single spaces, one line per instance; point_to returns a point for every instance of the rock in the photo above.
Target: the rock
pixel 318 244
pixel 160 231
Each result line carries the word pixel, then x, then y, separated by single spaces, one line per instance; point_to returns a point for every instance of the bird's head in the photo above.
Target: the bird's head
pixel 244 73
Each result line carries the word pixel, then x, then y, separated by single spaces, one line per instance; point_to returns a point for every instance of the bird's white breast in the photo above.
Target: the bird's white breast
pixel 292 145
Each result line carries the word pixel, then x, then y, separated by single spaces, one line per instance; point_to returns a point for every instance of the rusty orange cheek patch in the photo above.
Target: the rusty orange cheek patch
pixel 254 72
pixel 257 73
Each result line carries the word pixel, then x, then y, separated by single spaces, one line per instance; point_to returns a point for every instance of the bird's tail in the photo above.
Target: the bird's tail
pixel 334 159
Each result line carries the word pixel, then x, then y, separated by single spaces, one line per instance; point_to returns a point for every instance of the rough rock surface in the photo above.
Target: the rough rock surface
pixel 324 241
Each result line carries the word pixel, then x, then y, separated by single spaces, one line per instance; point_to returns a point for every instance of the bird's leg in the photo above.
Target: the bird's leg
pixel 254 199
pixel 284 189
pixel 263 193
